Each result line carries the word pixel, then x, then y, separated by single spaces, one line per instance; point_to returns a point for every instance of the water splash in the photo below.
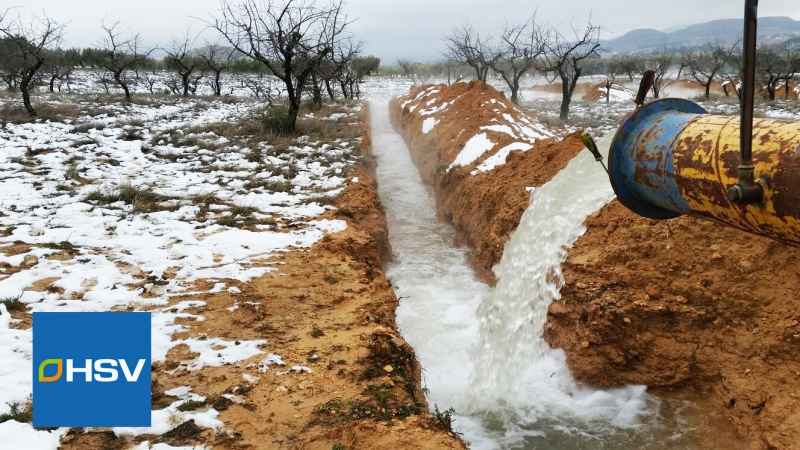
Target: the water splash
pixel 529 276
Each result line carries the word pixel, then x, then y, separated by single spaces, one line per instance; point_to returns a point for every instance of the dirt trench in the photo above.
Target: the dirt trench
pixel 675 305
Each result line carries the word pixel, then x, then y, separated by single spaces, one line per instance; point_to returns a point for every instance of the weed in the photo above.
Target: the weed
pixel 316 332
pixel 72 173
pixel 13 303
pixel 443 419
pixel 191 405
pixel 411 409
pixel 380 392
pixel 275 120
pixel 19 412
pixel 337 446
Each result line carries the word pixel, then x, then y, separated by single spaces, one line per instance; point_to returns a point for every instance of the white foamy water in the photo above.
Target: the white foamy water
pixel 481 349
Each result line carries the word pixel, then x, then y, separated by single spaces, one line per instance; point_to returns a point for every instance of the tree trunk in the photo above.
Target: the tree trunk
pixel 185 81
pixel 217 83
pixel 26 97
pixel 52 83
pixel 708 89
pixel 566 98
pixel 329 89
pixel 123 85
pixel 515 91
pixel 608 91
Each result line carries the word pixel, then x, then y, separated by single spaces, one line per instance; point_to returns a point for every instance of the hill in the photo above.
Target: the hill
pixel 725 30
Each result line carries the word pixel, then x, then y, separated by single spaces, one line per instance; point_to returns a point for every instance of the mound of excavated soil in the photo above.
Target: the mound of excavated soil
pixel 485 198
pixel 597 93
pixel 686 302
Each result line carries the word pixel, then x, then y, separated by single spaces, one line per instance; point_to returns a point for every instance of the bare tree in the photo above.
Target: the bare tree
pixel 289 37
pixel 215 60
pixel 632 64
pixel 705 65
pixel 408 66
pixel 776 66
pixel 565 57
pixel 520 50
pixel 660 62
pixel 59 65
pixel 180 59
pixel 466 46
pixel 120 54
pixel 343 60
pixel 27 47
pixel 614 67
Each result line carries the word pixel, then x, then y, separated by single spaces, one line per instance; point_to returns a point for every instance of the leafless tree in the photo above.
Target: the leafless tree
pixel 408 66
pixel 776 66
pixel 614 67
pixel 660 62
pixel 706 64
pixel 180 59
pixel 215 60
pixel 520 50
pixel 565 57
pixel 466 46
pixel 289 37
pixel 342 61
pixel 27 47
pixel 632 64
pixel 121 53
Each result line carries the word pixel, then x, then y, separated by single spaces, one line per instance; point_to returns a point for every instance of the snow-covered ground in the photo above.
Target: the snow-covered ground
pixel 127 208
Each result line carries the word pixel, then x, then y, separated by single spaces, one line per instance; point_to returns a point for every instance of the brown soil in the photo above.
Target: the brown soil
pixel 484 208
pixel 597 93
pixel 686 303
pixel 332 301
pixel 555 88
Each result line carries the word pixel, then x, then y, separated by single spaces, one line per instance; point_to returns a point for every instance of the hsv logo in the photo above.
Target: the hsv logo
pixel 111 372
pixel 98 363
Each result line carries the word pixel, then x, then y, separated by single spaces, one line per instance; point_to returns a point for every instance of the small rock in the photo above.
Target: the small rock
pixel 646 297
pixel 30 261
pixel 653 291
pixel 627 320
pixel 747 371
pixel 581 285
pixel 746 266
pixel 398 342
pixel 283 389
pixel 388 369
pixel 585 344
pixel 681 299
pixel 716 256
pixel 382 331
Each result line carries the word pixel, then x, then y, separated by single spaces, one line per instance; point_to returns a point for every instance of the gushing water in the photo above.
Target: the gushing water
pixel 481 350
pixel 529 278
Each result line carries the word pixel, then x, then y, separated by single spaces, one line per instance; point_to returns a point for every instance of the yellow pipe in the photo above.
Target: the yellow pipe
pixel 669 158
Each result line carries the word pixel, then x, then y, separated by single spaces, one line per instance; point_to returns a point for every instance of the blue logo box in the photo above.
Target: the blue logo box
pixel 91 369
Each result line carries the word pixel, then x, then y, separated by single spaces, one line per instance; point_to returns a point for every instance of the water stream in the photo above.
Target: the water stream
pixel 481 349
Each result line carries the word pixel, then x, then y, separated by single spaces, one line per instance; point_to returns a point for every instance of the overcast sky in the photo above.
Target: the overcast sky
pixel 394 29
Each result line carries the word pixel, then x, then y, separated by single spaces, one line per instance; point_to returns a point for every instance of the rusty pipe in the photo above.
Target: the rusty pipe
pixel 670 158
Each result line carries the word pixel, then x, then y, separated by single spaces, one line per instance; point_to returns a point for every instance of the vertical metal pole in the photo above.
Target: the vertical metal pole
pixel 746 190
pixel 748 83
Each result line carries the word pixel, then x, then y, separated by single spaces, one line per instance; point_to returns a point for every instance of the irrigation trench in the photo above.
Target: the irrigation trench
pixel 481 349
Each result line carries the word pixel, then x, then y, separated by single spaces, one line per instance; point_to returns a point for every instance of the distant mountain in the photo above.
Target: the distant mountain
pixel 724 30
